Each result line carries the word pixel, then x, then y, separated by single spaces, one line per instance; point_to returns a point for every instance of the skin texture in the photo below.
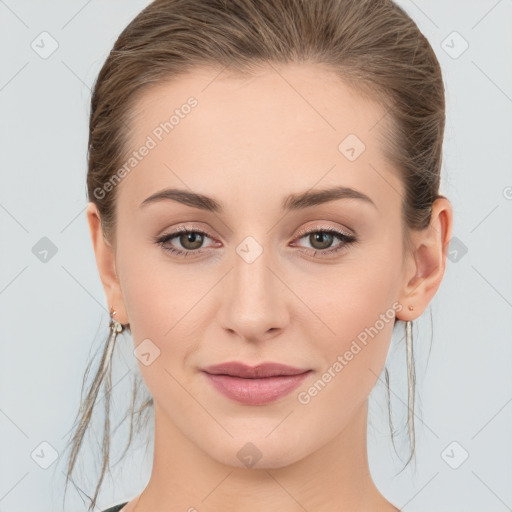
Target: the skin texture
pixel 249 143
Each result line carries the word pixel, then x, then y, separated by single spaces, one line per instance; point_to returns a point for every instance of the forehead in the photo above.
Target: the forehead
pixel 290 127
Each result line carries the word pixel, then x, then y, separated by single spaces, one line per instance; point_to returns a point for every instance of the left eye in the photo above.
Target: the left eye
pixel 322 239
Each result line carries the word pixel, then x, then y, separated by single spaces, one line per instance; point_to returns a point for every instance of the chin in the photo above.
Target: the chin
pixel 259 450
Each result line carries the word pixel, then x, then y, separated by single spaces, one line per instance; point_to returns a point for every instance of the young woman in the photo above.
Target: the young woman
pixel 264 208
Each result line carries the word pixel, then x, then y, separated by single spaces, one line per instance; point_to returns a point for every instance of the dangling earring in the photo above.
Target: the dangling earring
pixel 410 377
pixel 115 328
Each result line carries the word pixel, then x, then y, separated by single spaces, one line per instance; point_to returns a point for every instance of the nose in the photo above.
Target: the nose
pixel 254 297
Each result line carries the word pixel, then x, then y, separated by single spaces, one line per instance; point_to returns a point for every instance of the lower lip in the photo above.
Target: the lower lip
pixel 255 391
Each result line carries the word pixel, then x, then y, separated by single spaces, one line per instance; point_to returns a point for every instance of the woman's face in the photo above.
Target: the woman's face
pixel 259 280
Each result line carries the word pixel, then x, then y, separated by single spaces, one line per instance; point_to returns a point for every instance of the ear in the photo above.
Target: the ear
pixel 105 261
pixel 425 266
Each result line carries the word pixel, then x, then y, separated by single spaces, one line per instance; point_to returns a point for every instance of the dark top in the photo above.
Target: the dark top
pixel 116 508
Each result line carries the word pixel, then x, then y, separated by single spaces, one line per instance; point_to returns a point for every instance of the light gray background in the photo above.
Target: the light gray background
pixel 53 313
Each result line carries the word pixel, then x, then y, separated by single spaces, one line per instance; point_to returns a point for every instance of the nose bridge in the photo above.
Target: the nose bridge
pixel 254 302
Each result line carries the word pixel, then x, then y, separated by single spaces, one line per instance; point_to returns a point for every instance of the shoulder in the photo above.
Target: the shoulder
pixel 115 508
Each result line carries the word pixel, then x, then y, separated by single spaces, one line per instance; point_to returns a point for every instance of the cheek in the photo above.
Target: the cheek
pixel 157 302
pixel 357 308
pixel 150 290
pixel 162 301
pixel 352 358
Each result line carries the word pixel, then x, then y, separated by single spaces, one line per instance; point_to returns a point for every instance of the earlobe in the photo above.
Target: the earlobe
pixel 428 263
pixel 105 262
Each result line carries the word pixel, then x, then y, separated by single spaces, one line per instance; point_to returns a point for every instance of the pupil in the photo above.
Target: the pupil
pixel 322 236
pixel 189 238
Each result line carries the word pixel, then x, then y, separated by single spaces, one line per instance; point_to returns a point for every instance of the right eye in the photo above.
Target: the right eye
pixel 190 240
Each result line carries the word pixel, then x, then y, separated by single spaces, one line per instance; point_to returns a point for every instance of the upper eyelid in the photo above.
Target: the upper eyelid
pixel 325 228
pixel 301 233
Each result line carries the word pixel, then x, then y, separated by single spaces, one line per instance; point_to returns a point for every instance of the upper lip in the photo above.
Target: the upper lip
pixel 237 369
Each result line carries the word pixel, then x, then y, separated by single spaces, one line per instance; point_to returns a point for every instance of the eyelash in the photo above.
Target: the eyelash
pixel 343 237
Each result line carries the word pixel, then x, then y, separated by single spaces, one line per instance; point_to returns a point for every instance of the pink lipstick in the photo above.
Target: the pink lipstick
pixel 256 385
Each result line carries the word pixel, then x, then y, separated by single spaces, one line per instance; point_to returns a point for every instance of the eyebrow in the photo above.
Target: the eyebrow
pixel 292 202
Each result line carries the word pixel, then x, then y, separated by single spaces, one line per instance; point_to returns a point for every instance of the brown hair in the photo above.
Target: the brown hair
pixel 372 45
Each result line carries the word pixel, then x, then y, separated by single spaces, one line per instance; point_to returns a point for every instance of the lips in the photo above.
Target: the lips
pixel 256 385
pixel 236 369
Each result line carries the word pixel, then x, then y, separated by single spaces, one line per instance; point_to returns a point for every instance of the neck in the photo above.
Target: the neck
pixel 336 477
